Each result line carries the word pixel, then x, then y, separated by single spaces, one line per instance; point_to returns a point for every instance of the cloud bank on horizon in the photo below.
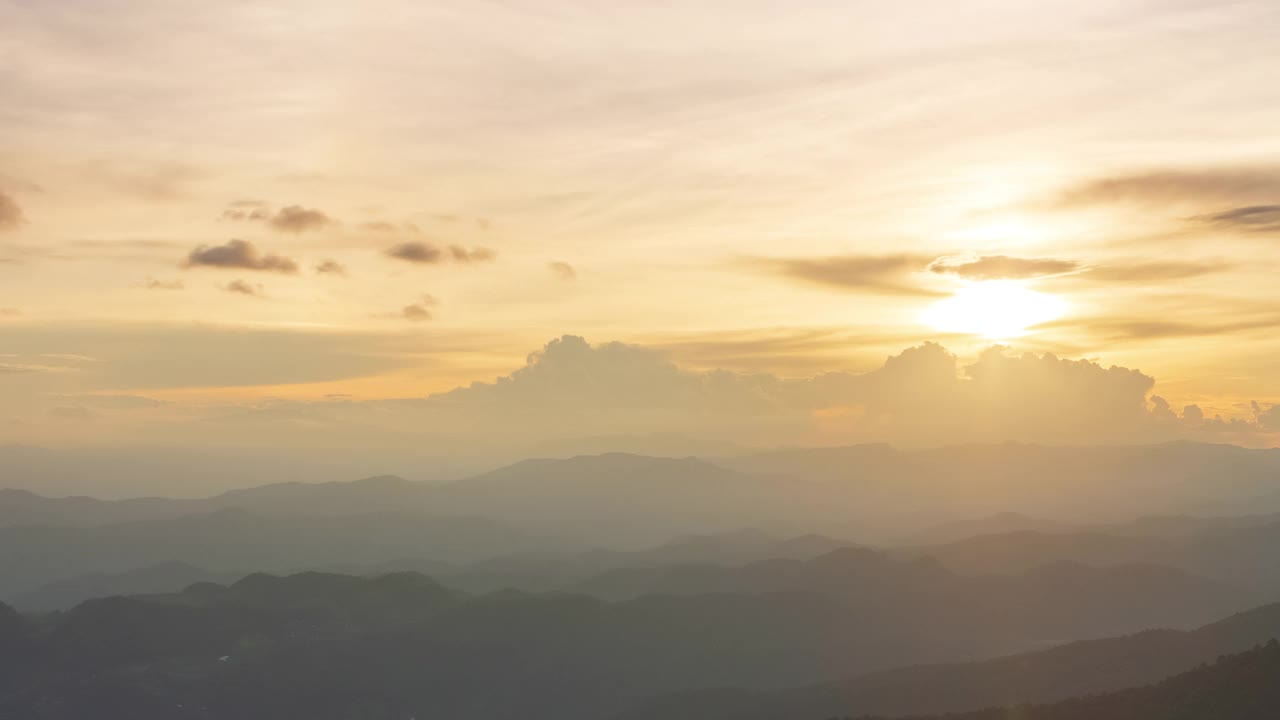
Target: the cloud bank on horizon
pixel 572 391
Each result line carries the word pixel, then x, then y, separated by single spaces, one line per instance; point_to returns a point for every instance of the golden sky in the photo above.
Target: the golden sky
pixel 218 213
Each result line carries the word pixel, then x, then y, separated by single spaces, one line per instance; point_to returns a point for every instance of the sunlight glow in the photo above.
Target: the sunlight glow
pixel 993 309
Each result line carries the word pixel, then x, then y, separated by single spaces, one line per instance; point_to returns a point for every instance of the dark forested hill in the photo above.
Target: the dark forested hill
pixel 1081 668
pixel 1237 687
pixel 332 646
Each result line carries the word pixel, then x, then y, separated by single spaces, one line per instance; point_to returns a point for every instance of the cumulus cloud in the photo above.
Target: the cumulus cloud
pixel 1002 267
pixel 297 219
pixel 883 274
pixel 417 252
pixel 922 395
pixel 11 216
pixel 331 267
pixel 563 270
pixel 240 287
pixel 241 255
pixel 421 310
pixel 1268 418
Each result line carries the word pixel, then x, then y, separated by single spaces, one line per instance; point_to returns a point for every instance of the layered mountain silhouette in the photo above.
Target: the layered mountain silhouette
pixel 1083 668
pixel 322 645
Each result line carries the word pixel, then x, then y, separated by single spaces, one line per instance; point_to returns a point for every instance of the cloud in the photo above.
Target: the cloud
pixel 297 219
pixel 157 182
pixel 420 311
pixel 1267 418
pixel 1002 267
pixel 117 402
pixel 417 252
pixel 1114 329
pixel 154 284
pixel 474 255
pixel 251 214
pixel 241 287
pixel 1253 218
pixel 10 312
pixel 239 254
pixel 1151 271
pixel 11 216
pixel 382 226
pixel 73 412
pixel 331 267
pixel 919 396
pixel 881 274
pixel 1193 186
pixel 563 270
pixel 290 219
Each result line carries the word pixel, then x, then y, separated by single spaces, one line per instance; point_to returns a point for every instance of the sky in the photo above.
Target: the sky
pixel 760 223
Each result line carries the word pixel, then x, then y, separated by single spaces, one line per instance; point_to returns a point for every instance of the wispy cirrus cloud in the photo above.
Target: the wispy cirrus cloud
pixel 1002 267
pixel 1197 186
pixel 876 274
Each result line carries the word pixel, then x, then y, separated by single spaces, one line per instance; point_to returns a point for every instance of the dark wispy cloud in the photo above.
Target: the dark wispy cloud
pixel 471 255
pixel 426 253
pixel 1251 218
pixel 331 267
pixel 417 252
pixel 1002 267
pixel 297 219
pixel 73 412
pixel 421 310
pixel 882 274
pixel 563 270
pixel 240 287
pixel 10 312
pixel 382 226
pixel 240 255
pixel 1117 329
pixel 117 402
pixel 154 284
pixel 1181 186
pixel 11 216
pixel 291 219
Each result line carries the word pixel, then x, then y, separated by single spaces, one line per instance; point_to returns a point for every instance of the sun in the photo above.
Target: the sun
pixel 993 309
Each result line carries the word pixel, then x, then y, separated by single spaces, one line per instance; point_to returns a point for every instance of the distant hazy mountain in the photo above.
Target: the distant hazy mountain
pixel 375 494
pixel 863 493
pixel 1082 668
pixel 152 579
pixel 567 571
pixel 891 493
pixel 325 646
pixel 1240 551
pixel 236 540
pixel 1003 522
